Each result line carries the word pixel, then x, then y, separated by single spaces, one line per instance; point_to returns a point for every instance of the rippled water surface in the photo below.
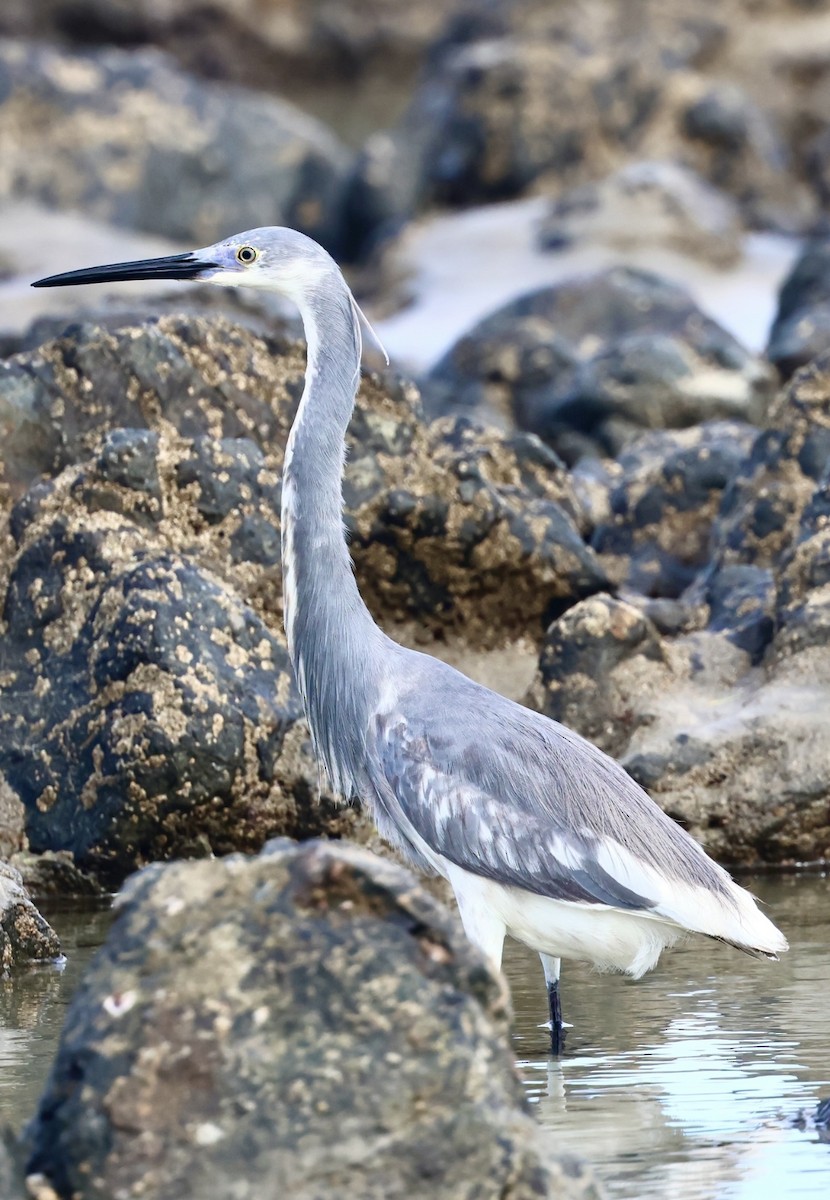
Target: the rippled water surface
pixel 698 1082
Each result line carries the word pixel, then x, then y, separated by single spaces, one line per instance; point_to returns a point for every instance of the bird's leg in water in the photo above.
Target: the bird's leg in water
pixel 551 967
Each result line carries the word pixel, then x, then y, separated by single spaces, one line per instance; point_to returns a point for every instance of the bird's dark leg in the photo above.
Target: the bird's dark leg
pixel 551 967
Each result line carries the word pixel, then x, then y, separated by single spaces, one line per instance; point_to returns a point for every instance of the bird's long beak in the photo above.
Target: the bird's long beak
pixel 175 266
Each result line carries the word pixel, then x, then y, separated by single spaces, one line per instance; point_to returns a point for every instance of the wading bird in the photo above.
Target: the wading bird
pixel 541 835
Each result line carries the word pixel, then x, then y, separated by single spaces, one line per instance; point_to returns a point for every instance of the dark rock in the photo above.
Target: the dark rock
pixel 742 604
pixel 762 506
pixel 24 935
pixel 174 156
pixel 589 363
pixel 473 533
pixel 308 1023
pixel 577 665
pixel 801 329
pixel 146 711
pixel 662 506
pixel 654 204
pixel 55 875
pixel 196 375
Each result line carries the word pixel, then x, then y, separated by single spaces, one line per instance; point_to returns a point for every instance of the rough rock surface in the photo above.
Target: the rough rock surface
pixel 801 329
pixel 449 524
pixel 725 726
pixel 147 706
pixel 24 935
pixel 725 722
pixel 172 155
pixel 589 363
pixel 664 502
pixel 658 204
pixel 762 507
pixel 146 710
pixel 306 1023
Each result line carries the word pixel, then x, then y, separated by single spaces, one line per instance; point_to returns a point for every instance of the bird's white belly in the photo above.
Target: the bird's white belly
pixel 611 939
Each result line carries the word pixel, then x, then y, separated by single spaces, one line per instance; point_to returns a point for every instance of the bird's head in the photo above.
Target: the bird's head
pixel 274 258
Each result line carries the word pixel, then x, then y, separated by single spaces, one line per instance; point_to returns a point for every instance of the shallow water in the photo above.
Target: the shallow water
pixel 691 1083
pixel 33 1005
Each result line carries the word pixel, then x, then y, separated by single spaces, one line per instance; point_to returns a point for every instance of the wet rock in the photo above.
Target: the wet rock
pixel 659 204
pixel 762 507
pixel 54 874
pixel 307 1023
pixel 589 363
pixel 801 329
pixel 656 537
pixel 25 937
pixel 174 156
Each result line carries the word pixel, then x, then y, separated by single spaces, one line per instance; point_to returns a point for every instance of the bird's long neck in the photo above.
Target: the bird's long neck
pixel 332 639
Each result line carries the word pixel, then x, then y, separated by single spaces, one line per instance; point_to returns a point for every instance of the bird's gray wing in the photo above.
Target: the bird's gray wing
pixel 495 803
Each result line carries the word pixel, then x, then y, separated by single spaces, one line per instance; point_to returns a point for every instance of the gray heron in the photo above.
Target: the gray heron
pixel 541 835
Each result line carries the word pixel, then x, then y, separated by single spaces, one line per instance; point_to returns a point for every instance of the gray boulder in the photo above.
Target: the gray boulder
pixel 308 1023
pixel 130 139
pixel 25 937
pixel 590 363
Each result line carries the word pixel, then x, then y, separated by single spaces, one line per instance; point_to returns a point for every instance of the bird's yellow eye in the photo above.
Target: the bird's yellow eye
pixel 246 255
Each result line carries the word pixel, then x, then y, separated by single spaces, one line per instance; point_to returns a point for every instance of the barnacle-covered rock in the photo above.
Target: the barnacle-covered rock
pixel 762 507
pixel 25 937
pixel 307 1023
pixel 664 502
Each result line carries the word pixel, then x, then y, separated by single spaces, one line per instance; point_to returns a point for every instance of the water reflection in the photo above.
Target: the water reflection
pixel 691 1081
pixel 33 1006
